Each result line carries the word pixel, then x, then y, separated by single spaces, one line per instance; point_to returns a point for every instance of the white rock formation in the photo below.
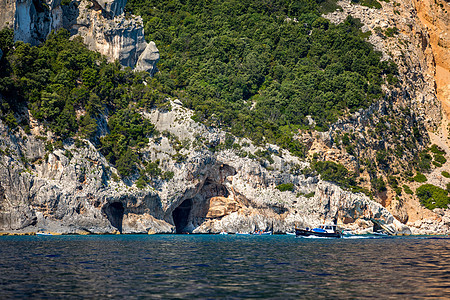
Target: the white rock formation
pixel 102 24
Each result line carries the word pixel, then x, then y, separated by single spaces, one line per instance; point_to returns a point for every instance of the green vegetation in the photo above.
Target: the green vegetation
pixel 285 187
pixel 258 68
pixel 369 3
pixel 390 32
pixel 254 68
pixel 67 87
pixel 393 182
pixel 445 174
pixel 407 190
pixel 437 150
pixel 432 196
pixel 440 159
pixel 420 178
pixel 310 195
pixel 378 184
pixel 331 171
pixel 422 162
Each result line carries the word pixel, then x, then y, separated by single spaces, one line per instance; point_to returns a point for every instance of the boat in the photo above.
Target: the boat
pixel 223 232
pixel 43 233
pixel 242 233
pixel 323 230
pixel 260 232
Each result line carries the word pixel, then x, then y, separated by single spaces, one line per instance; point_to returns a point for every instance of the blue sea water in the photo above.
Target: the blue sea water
pixel 223 266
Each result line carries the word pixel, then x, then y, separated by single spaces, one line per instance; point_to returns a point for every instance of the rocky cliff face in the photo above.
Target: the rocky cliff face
pixel 434 16
pixel 397 32
pixel 72 190
pixel 102 24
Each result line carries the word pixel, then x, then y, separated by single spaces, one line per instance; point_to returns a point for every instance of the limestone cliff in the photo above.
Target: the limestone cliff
pixel 396 30
pixel 74 189
pixel 102 24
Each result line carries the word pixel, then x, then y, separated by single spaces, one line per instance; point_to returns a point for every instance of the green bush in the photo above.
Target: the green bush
pixel 310 195
pixel 285 187
pixel 445 174
pixel 378 184
pixel 423 161
pixel 420 178
pixel 407 189
pixel 390 32
pixel 331 171
pixel 440 159
pixel 432 196
pixel 167 175
pixel 369 3
pixel 437 164
pixel 437 150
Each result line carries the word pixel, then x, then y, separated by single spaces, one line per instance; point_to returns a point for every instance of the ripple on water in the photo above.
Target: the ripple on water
pixel 207 266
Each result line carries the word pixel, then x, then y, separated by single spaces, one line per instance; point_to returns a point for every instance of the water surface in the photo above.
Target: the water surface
pixel 223 266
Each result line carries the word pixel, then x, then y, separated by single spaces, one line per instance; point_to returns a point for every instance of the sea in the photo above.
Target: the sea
pixel 223 267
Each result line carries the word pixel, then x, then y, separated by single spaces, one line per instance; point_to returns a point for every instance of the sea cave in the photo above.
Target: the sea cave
pixel 114 212
pixel 181 215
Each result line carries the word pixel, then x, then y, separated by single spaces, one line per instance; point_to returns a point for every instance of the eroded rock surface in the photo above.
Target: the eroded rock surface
pixel 72 190
pixel 102 24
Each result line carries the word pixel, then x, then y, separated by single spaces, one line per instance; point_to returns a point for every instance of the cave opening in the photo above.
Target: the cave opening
pixel 114 213
pixel 180 215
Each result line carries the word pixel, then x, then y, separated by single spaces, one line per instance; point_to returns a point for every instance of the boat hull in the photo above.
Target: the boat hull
pixel 304 232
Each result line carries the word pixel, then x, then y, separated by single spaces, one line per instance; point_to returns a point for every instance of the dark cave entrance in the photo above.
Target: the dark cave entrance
pixel 114 213
pixel 181 215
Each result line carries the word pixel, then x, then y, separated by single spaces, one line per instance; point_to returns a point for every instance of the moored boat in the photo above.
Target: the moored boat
pixel 324 230
pixel 43 233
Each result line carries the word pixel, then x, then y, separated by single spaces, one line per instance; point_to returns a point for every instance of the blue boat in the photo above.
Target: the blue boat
pixel 323 230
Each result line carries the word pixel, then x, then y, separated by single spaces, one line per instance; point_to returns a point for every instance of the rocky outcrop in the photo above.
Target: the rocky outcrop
pixel 72 190
pixel 107 30
pixel 31 21
pixel 434 16
pixel 102 24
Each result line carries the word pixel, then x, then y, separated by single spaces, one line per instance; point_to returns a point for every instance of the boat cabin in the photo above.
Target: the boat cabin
pixel 326 228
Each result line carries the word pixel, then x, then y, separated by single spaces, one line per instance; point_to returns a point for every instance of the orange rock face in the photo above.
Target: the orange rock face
pixel 434 15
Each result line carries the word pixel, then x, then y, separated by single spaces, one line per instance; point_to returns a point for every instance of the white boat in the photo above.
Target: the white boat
pixel 43 233
pixel 259 232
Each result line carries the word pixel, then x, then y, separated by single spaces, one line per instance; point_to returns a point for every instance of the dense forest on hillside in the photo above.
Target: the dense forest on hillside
pixel 259 68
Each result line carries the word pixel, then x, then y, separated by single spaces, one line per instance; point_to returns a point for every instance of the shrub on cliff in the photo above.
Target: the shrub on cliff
pixel 407 190
pixel 285 187
pixel 331 171
pixel 432 196
pixel 420 178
